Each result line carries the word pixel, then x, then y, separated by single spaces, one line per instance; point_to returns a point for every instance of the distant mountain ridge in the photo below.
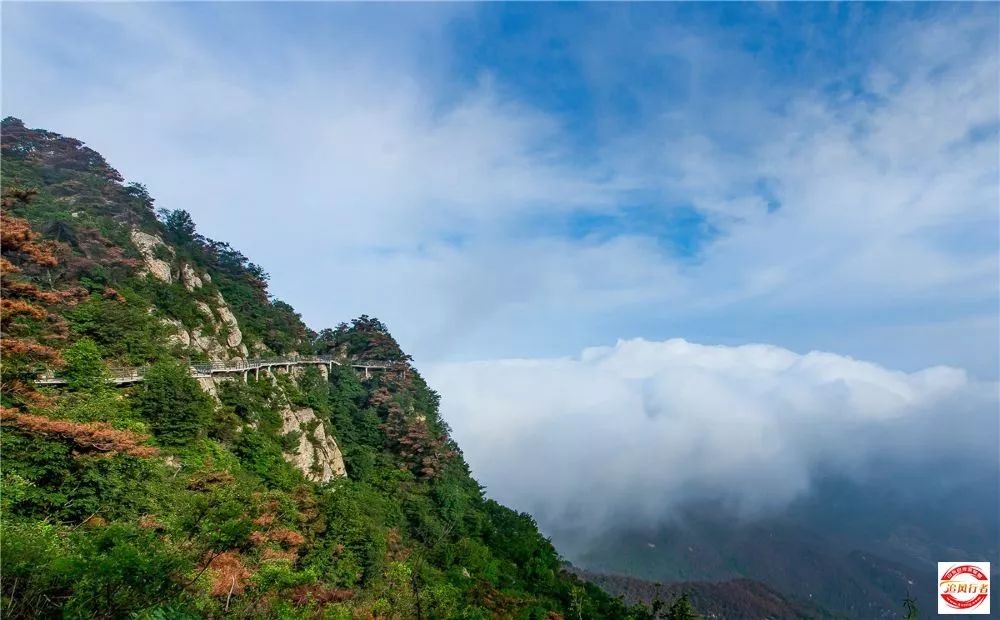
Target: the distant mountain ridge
pixel 847 558
pixel 735 598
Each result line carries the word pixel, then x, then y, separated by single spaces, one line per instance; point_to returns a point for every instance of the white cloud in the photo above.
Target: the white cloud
pixel 884 197
pixel 637 430
pixel 367 178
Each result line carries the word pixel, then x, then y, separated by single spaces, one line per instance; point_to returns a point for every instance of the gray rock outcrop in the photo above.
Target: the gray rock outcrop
pixel 317 455
pixel 148 245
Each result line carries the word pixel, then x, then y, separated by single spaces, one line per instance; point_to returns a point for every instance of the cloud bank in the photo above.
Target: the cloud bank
pixel 635 431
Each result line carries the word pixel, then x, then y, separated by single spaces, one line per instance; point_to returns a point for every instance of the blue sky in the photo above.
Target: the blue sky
pixel 528 180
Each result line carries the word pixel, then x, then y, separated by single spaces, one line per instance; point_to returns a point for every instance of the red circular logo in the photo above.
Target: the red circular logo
pixel 964 587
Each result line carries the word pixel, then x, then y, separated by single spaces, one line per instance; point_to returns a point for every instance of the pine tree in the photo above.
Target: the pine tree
pixel 180 226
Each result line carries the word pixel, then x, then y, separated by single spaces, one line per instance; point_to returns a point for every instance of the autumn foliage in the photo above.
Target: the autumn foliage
pixel 18 238
pixel 28 328
pixel 87 437
pixel 54 152
pixel 231 575
pixel 420 449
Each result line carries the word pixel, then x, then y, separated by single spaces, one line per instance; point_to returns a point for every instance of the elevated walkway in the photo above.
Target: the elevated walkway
pixel 124 375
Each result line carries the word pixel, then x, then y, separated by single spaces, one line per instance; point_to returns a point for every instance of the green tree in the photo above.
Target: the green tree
pixel 85 370
pixel 179 225
pixel 173 402
pixel 911 608
pixel 681 609
pixel 140 191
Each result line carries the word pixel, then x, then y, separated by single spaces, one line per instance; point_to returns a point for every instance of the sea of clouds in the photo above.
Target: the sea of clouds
pixel 635 430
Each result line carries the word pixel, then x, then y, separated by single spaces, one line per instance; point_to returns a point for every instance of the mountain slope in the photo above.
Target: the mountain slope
pixel 800 565
pixel 299 492
pixel 856 547
pixel 735 598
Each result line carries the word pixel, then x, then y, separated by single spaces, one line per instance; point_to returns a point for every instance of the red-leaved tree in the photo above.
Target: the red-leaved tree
pixel 29 330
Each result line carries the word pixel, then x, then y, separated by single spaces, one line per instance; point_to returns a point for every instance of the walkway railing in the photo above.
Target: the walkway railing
pixel 123 374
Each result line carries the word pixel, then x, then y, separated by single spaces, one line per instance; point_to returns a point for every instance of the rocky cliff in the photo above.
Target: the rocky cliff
pixel 218 335
pixel 316 454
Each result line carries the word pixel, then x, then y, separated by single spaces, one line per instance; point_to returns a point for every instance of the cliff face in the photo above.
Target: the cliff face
pixel 312 493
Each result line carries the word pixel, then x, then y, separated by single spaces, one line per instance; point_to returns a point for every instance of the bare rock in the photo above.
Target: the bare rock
pixel 147 245
pixel 317 455
pixel 206 310
pixel 208 386
pixel 189 278
pixel 234 336
pixel 209 344
pixel 178 334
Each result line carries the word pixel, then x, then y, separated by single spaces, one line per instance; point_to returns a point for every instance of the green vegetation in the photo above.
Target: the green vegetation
pixel 175 405
pixel 85 370
pixel 125 332
pixel 157 500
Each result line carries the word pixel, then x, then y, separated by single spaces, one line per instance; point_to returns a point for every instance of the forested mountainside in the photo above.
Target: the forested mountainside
pixel 807 558
pixel 297 491
pixel 734 598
